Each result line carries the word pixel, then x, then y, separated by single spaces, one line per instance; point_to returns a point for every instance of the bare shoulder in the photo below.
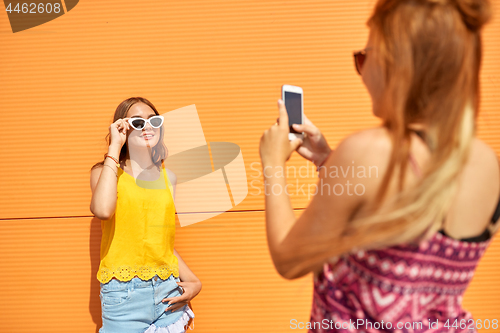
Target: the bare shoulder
pixel 370 146
pixel 95 173
pixel 482 175
pixel 350 177
pixel 482 154
pixel 171 176
pixel 360 159
pixel 483 168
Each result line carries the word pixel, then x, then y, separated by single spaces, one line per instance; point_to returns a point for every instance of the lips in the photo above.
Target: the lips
pixel 148 135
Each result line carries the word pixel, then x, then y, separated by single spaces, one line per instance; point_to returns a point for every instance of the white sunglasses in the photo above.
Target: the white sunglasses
pixel 140 123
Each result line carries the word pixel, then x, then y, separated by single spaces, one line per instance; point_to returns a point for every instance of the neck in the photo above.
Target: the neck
pixel 140 159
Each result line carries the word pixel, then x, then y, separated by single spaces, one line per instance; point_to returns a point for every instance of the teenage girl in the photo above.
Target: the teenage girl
pixel 140 272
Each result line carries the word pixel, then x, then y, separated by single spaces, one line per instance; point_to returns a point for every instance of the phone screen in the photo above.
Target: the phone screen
pixel 293 104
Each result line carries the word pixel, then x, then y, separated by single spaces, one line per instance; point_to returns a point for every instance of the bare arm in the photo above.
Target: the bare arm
pixel 189 282
pixel 340 194
pixel 103 184
pixel 185 274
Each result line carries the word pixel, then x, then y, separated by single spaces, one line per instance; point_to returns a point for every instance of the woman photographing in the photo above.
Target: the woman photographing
pixel 404 251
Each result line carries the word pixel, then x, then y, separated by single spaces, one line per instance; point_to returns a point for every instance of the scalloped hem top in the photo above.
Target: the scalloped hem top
pixel 138 240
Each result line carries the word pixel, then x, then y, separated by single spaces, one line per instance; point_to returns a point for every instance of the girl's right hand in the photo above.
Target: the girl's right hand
pixel 314 146
pixel 118 131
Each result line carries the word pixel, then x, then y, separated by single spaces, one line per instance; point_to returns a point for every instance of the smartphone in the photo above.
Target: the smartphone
pixel 293 97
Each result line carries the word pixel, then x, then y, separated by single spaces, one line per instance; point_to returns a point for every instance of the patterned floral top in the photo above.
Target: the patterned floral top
pixel 411 288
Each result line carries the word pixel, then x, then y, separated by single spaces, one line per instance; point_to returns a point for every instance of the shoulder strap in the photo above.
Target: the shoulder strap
pixel 167 180
pixel 496 215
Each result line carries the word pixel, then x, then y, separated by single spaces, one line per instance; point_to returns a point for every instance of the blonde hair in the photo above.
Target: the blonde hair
pixel 430 54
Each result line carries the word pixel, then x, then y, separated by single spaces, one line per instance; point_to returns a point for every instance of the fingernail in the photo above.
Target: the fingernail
pixel 280 102
pixel 295 125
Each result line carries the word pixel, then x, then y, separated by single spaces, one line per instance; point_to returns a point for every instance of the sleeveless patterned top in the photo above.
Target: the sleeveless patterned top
pixel 419 288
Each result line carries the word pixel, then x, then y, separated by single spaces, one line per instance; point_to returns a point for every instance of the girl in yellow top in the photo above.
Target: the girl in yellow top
pixel 133 194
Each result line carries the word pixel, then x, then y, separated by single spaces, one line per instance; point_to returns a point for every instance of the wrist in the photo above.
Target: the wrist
pixel 323 159
pixel 269 169
pixel 115 147
pixel 114 150
pixel 198 287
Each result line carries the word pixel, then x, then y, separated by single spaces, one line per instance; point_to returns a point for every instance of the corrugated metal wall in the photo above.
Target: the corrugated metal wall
pixel 61 83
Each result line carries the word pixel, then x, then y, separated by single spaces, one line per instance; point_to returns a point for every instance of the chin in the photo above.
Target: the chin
pixel 141 143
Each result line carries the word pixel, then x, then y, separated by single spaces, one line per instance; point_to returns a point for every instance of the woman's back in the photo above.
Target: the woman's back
pixel 477 196
pixel 479 185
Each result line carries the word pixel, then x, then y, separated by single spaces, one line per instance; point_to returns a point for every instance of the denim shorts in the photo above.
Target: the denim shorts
pixel 133 306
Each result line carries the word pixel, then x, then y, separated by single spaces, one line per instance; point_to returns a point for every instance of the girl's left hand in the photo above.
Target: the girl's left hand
pixel 191 289
pixel 275 148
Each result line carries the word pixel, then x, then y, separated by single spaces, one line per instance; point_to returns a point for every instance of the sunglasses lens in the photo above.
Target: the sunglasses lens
pixel 138 123
pixel 360 60
pixel 156 121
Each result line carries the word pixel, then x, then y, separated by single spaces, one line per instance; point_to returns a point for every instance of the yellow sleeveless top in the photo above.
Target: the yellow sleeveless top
pixel 139 238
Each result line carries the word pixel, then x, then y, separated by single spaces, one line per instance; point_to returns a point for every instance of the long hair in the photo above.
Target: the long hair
pixel 430 54
pixel 159 152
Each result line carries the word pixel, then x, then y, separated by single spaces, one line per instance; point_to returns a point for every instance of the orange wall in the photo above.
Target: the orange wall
pixel 61 83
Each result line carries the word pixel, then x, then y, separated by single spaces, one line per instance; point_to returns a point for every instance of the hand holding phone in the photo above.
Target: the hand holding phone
pixel 292 96
pixel 314 147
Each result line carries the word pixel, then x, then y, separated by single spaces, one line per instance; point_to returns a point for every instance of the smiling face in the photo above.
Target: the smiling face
pixel 373 76
pixel 148 136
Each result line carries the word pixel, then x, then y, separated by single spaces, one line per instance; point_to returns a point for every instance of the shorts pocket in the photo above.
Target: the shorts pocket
pixel 169 288
pixel 173 281
pixel 114 297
